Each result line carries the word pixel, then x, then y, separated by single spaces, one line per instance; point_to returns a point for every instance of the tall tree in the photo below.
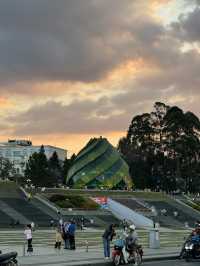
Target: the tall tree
pixel 162 149
pixel 37 169
pixel 55 167
pixel 67 165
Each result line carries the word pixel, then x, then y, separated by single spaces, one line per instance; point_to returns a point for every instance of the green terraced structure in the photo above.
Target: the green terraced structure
pixel 99 165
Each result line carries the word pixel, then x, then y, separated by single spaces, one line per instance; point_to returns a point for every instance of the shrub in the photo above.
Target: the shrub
pixel 74 201
pixel 57 197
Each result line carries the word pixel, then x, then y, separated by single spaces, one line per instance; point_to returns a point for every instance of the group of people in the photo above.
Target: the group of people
pixel 64 232
pixel 129 237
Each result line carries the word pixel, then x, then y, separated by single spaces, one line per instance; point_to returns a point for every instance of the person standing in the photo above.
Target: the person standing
pixel 125 225
pixel 33 226
pixel 58 238
pixel 107 236
pixel 66 235
pixel 28 234
pixel 71 232
pixel 52 223
pixel 82 223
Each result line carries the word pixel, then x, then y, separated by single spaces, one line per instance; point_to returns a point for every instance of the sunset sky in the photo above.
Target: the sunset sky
pixel 74 69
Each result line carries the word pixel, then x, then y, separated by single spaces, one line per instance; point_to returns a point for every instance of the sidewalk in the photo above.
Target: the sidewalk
pixel 92 257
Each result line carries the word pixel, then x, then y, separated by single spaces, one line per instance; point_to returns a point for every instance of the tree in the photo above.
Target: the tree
pixel 37 169
pixel 162 149
pixel 67 165
pixel 6 168
pixel 55 167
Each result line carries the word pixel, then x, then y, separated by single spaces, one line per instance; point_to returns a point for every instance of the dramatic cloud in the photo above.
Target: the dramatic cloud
pixel 85 117
pixel 86 67
pixel 188 26
pixel 71 40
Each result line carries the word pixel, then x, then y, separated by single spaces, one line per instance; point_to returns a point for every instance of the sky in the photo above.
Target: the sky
pixel 75 69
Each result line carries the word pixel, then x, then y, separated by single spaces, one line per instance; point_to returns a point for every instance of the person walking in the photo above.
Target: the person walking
pixel 71 232
pixel 107 236
pixel 28 234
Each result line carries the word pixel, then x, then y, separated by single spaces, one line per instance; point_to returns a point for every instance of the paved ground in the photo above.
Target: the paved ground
pixel 171 263
pixel 81 257
pixel 44 238
pixel 44 253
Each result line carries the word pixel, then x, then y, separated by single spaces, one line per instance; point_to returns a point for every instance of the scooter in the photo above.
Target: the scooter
pixel 117 255
pixel 133 257
pixel 191 251
pixel 8 259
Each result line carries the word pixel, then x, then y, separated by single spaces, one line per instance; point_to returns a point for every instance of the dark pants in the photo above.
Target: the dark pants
pixel 72 242
pixel 106 246
pixel 30 247
pixel 58 245
pixel 67 246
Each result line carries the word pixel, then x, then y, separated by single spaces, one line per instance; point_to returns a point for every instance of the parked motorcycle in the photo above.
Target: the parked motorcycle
pixel 8 259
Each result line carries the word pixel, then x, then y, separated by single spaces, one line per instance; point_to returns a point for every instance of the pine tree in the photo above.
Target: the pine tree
pixel 37 169
pixel 55 168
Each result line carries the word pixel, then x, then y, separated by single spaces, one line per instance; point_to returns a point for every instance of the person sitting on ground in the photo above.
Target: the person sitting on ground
pixel 130 243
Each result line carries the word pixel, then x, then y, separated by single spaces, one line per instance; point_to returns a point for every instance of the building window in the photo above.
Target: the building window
pixel 16 153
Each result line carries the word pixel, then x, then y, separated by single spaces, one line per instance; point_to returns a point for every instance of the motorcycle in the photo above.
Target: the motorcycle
pixel 134 257
pixel 190 251
pixel 8 259
pixel 117 254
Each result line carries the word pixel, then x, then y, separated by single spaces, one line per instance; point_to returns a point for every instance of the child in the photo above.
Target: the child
pixel 28 234
pixel 58 237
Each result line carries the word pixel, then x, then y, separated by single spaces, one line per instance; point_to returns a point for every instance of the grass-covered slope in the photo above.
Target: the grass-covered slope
pixel 97 165
pixel 9 189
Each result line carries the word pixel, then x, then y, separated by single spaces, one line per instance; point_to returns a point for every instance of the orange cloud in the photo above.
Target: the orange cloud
pixel 5 103
pixel 73 143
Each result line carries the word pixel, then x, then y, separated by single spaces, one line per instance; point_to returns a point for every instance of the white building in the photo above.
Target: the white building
pixel 19 151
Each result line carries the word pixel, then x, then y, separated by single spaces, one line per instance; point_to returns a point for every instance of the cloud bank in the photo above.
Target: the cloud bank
pixel 85 42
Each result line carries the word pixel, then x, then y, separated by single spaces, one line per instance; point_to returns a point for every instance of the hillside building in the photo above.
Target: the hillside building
pixel 19 151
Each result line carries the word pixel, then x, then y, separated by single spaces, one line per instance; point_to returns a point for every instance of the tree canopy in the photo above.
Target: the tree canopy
pixel 162 149
pixel 37 169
